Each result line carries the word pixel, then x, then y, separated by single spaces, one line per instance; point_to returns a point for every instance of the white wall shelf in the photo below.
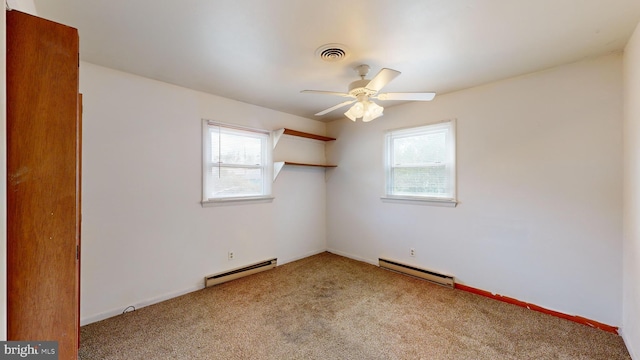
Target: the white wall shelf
pixel 277 134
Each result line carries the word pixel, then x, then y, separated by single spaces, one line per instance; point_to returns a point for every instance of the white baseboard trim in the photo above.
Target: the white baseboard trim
pixel 311 253
pixel 118 311
pixel 111 313
pixel 351 256
pixel 629 345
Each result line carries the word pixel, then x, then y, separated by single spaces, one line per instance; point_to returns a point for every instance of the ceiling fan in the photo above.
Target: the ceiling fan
pixel 363 90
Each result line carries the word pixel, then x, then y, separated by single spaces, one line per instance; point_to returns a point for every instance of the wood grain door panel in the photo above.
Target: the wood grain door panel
pixel 42 183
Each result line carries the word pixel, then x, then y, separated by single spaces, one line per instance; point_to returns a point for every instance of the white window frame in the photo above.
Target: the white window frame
pixel 207 164
pixel 448 200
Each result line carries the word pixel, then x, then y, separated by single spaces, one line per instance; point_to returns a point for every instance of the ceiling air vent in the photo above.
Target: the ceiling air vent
pixel 332 52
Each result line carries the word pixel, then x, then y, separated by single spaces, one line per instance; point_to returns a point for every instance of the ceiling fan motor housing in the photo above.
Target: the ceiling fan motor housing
pixel 358 88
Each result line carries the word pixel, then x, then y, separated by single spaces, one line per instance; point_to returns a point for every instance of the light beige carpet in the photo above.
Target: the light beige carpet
pixel 330 307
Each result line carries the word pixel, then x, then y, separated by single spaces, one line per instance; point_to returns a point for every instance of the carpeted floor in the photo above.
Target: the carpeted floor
pixel 330 307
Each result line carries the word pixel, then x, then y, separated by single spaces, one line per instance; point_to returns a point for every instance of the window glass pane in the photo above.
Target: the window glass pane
pixel 420 161
pixel 421 181
pixel 235 182
pixel 235 149
pixel 236 162
pixel 420 149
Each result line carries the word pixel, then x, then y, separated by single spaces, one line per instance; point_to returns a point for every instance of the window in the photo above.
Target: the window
pixel 236 163
pixel 420 163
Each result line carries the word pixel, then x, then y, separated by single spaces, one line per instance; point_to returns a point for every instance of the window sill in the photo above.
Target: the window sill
pixel 420 201
pixel 237 201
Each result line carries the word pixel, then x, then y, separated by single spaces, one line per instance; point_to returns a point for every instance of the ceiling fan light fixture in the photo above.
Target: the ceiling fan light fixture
pixel 350 115
pixel 373 111
pixel 367 110
pixel 358 109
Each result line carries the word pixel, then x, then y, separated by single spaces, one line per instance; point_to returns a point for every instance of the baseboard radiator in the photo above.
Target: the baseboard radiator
pixel 239 272
pixel 432 276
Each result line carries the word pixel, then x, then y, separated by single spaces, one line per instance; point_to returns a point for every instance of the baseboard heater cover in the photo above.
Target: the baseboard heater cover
pixel 216 279
pixel 432 276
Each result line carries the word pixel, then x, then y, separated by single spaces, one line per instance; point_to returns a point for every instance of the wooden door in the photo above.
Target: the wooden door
pixel 43 182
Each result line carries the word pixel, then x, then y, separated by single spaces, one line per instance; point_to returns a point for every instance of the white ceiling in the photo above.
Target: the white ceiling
pixel 263 51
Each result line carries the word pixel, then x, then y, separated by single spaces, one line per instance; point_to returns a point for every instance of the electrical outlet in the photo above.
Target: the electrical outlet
pixel 412 252
pixel 230 255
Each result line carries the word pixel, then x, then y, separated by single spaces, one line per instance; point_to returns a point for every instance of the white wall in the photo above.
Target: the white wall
pixel 145 236
pixel 631 220
pixel 29 7
pixel 539 184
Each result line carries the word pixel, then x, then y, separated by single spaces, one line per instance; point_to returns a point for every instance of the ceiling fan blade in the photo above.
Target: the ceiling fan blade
pixel 326 93
pixel 335 107
pixel 411 96
pixel 381 79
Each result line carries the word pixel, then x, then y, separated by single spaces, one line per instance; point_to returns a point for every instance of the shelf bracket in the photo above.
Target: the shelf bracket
pixel 277 166
pixel 276 135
